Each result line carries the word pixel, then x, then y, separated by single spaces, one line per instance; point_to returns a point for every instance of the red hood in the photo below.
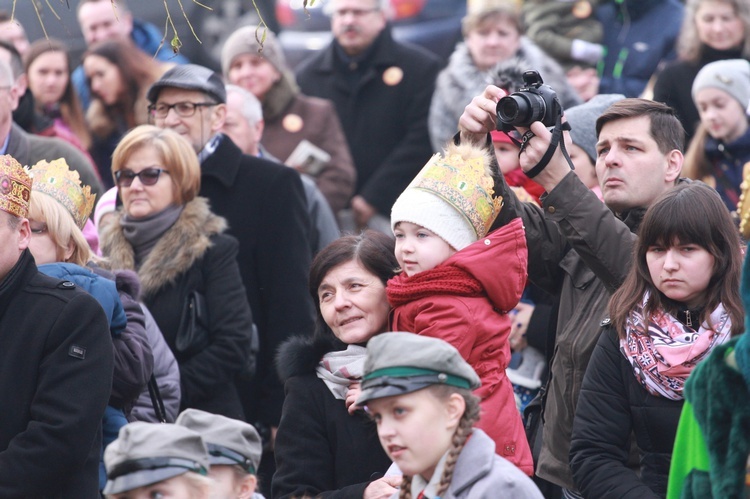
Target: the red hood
pixel 499 261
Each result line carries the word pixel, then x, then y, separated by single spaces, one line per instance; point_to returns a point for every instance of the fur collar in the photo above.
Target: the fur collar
pixel 507 74
pixel 177 250
pixel 300 354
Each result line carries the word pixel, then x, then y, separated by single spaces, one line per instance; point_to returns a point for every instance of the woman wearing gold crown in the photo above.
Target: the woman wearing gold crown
pixel 58 209
pixel 450 286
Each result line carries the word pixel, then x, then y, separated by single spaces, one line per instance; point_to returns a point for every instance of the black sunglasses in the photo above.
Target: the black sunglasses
pixel 147 176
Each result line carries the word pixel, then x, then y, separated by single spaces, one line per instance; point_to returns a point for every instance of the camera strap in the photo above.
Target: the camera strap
pixel 554 141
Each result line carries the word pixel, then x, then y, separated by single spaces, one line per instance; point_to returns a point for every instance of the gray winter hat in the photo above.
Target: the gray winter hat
pixel 229 441
pixel 400 363
pixel 148 453
pixel 190 77
pixel 582 119
pixel 243 41
pixel 731 75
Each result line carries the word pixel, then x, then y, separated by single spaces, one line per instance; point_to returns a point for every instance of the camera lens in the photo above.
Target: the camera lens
pixel 520 109
pixel 507 109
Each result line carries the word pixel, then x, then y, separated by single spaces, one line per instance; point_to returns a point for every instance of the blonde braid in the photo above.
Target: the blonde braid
pixel 465 426
pixel 405 492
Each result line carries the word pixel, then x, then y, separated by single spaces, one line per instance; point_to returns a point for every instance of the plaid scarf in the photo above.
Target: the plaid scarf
pixel 339 369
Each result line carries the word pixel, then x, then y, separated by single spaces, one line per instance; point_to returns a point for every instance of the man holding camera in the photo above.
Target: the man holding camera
pixel 579 248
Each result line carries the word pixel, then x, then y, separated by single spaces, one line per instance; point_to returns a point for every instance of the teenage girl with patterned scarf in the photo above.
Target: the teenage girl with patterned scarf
pixel 458 282
pixel 679 301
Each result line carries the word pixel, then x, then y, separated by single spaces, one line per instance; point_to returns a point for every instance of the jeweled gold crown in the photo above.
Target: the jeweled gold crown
pixel 743 205
pixel 15 187
pixel 61 183
pixel 463 181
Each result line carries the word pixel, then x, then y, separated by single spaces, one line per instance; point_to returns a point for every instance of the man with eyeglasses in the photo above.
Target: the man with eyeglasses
pixel 382 92
pixel 56 364
pixel 265 205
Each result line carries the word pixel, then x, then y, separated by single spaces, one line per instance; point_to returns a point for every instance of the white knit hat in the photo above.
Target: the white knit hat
pixel 730 75
pixel 452 196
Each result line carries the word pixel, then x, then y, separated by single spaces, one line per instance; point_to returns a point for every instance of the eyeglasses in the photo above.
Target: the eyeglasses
pixel 183 109
pixel 37 228
pixel 354 12
pixel 147 176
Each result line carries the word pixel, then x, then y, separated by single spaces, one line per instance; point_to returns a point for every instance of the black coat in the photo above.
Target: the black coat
pixel 194 254
pixel 265 206
pixel 55 379
pixel 613 405
pixel 321 450
pixel 383 107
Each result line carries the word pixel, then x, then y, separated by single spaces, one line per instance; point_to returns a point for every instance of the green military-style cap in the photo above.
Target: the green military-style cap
pixel 400 363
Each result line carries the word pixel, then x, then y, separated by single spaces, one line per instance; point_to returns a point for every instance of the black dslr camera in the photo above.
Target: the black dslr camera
pixel 534 101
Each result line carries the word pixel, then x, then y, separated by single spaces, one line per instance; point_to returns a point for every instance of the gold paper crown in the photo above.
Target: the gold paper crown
pixel 61 183
pixel 743 205
pixel 462 179
pixel 15 187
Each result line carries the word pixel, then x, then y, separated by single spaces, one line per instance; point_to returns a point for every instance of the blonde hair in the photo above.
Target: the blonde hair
pixel 491 9
pixel 689 46
pixel 696 165
pixel 175 152
pixel 464 429
pixel 61 228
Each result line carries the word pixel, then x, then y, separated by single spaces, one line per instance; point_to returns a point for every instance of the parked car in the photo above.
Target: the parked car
pixel 432 24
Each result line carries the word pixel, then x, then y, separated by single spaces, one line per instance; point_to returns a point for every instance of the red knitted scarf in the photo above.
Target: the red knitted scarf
pixel 438 281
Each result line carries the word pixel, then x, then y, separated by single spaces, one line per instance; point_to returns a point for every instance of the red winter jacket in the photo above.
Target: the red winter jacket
pixel 477 324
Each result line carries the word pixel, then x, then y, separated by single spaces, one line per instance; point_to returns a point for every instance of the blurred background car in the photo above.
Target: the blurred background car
pixel 433 24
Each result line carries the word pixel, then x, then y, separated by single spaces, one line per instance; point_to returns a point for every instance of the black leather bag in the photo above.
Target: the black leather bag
pixel 193 335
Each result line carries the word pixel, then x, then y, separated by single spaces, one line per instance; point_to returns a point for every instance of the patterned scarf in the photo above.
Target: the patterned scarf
pixel 442 280
pixel 663 351
pixel 339 369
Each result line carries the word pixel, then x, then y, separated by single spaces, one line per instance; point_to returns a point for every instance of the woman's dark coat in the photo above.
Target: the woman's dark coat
pixel 191 255
pixel 321 450
pixel 612 406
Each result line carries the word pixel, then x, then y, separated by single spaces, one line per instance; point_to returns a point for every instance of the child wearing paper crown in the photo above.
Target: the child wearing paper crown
pixel 418 391
pixel 458 282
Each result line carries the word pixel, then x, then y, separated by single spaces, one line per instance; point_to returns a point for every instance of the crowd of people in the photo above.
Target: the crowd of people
pixel 380 274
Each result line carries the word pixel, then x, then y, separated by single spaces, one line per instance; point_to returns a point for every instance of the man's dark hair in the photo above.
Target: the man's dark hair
pixel 665 128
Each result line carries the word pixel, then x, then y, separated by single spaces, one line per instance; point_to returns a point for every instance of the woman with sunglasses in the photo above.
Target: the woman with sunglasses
pixel 178 247
pixel 119 75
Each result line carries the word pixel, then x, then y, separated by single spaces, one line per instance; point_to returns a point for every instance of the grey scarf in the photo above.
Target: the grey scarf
pixel 144 233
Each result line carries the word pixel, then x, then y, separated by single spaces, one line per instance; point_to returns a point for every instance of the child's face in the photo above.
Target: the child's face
pixel 507 156
pixel 227 484
pixel 585 168
pixel 721 114
pixel 177 488
pixel 418 249
pixel 416 429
